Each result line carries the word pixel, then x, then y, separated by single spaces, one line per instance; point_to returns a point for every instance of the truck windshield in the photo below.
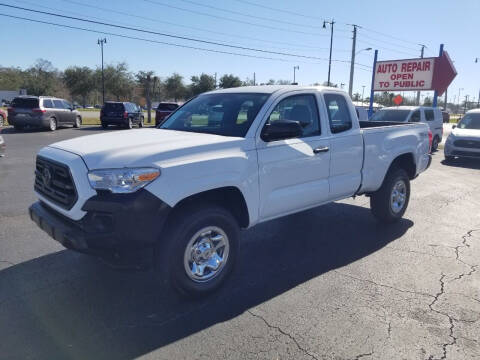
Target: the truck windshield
pixel 470 121
pixel 391 115
pixel 220 114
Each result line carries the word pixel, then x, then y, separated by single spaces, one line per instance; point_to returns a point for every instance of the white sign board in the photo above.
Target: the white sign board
pixel 404 75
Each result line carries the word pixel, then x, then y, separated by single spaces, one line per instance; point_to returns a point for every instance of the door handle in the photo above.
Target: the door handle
pixel 320 149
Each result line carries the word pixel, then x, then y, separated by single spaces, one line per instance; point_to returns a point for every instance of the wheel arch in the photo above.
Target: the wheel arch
pixel 229 197
pixel 406 162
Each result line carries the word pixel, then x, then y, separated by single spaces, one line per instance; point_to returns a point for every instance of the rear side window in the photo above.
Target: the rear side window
pixel 25 103
pixel 58 104
pixel 429 115
pixel 167 107
pixel 113 106
pixel 338 113
pixel 47 103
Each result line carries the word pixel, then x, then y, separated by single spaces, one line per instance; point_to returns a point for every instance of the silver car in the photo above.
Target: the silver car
pixel 464 141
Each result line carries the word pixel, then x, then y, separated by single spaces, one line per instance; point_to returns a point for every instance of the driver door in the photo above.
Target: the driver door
pixel 294 173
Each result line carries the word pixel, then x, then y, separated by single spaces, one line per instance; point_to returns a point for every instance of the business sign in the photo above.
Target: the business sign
pixel 404 75
pixel 415 74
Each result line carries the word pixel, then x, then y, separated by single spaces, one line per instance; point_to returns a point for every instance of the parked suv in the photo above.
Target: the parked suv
pixel 125 114
pixel 42 112
pixel 163 110
pixel 432 116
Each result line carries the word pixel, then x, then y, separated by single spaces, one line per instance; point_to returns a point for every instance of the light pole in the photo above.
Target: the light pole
pixel 352 62
pixel 331 44
pixel 297 67
pixel 460 89
pixel 101 42
pixel 363 91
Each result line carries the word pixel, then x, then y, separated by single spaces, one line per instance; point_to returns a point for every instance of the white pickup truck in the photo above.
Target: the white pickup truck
pixel 225 160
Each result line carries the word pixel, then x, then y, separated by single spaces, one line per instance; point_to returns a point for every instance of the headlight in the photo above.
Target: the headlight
pixel 122 181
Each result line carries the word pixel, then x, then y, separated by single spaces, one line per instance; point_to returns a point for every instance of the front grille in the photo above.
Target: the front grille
pixel 466 153
pixel 472 144
pixel 54 181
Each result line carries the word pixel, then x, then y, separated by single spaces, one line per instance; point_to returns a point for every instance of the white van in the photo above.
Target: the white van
pixel 428 115
pixel 362 113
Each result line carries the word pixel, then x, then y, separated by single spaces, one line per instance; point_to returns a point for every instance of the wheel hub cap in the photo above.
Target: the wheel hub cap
pixel 206 254
pixel 399 196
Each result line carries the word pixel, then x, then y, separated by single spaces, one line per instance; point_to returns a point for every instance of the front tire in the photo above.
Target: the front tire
pixel 389 203
pixel 449 158
pixel 140 124
pixel 104 125
pixel 198 251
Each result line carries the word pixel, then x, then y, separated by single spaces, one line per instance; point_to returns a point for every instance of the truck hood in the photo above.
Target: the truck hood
pixel 471 133
pixel 144 147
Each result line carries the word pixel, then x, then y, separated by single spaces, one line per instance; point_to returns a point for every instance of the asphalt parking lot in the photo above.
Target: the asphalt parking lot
pixel 329 283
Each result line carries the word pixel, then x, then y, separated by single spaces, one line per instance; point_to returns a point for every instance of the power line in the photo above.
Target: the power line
pixel 109 10
pixel 162 34
pixel 231 19
pixel 251 3
pixel 385 48
pixel 250 15
pixel 164 42
pixel 279 10
pixel 387 42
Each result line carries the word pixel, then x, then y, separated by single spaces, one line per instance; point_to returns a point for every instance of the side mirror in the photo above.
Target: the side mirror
pixel 281 129
pixel 454 126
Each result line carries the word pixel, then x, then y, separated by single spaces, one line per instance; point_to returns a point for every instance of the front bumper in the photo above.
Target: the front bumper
pixel 119 228
pixel 451 150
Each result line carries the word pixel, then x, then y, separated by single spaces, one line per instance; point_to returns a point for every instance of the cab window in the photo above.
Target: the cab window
pixel 301 108
pixel 429 115
pixel 416 117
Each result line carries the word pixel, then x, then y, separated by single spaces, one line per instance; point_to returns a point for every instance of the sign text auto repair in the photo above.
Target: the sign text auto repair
pixel 404 75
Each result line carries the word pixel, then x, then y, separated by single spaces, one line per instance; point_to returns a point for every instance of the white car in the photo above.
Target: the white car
pixel 429 115
pixel 225 160
pixel 464 140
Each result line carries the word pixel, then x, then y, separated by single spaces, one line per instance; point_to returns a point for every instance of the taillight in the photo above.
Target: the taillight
pixel 39 110
pixel 125 115
pixel 430 139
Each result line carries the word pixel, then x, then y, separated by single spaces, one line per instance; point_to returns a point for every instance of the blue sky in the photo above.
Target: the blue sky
pixel 415 22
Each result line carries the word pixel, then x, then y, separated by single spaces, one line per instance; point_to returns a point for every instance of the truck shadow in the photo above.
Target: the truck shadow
pixel 66 305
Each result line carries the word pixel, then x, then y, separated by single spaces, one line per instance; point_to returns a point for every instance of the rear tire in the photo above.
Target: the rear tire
pixel 78 122
pixel 435 143
pixel 389 203
pixel 52 124
pixel 104 125
pixel 129 124
pixel 200 238
pixel 140 124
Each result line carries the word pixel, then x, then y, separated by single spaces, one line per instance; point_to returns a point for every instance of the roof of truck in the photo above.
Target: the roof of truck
pixel 270 89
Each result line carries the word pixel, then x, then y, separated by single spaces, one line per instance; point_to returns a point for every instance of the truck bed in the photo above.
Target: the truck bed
pixel 374 124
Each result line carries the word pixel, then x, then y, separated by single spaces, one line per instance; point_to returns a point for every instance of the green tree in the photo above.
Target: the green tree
pixel 201 84
pixel 80 82
pixel 41 78
pixel 119 82
pixel 11 78
pixel 174 87
pixel 283 82
pixel 230 81
pixel 356 97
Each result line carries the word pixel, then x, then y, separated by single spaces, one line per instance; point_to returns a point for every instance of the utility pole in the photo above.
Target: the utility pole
pixel 331 45
pixel 421 55
pixel 459 89
pixel 215 80
pixel 101 42
pixel 254 80
pixel 465 105
pixel 296 67
pixel 149 102
pixel 363 91
pixel 352 63
pixel 445 100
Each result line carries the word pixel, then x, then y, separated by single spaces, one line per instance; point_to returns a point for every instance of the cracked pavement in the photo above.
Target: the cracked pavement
pixel 329 283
